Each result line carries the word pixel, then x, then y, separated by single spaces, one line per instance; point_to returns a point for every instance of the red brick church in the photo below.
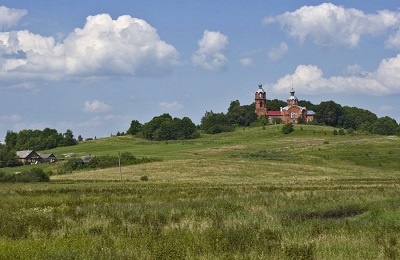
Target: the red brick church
pixel 288 114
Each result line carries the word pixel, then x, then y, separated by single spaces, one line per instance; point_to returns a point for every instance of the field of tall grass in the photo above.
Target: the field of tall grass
pixel 251 194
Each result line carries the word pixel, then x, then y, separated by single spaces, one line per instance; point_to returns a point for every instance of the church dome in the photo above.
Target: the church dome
pixel 292 96
pixel 260 89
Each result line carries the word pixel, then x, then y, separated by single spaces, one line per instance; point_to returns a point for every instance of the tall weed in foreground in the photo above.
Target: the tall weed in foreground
pixel 145 220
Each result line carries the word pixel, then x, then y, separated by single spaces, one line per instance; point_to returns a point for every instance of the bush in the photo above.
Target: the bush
pixel 287 128
pixel 144 178
pixel 6 177
pixel 34 175
pixel 102 162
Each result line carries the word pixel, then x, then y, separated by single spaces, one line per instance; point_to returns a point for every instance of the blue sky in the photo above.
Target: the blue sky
pixel 94 66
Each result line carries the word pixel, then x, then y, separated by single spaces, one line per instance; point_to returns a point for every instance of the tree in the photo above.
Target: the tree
pixel 8 157
pixel 214 123
pixel 328 113
pixel 356 118
pixel 150 128
pixel 187 129
pixel 307 104
pixel 68 139
pixel 275 104
pixel 385 126
pixel 134 128
pixel 241 115
pixel 165 128
pixel 11 139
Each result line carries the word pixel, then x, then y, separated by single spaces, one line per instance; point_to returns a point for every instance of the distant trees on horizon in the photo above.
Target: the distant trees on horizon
pixel 165 127
pixel 32 140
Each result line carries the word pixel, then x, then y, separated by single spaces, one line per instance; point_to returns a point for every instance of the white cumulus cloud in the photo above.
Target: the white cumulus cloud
pixel 328 24
pixel 210 54
pixel 10 16
pixel 278 53
pixel 95 106
pixel 103 47
pixel 310 79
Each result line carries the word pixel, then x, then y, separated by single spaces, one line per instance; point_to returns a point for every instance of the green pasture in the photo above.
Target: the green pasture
pixel 250 194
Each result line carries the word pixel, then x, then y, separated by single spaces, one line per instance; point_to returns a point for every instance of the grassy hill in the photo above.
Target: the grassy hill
pixel 250 194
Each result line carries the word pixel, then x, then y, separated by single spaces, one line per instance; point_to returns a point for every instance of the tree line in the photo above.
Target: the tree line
pixel 33 140
pixel 328 113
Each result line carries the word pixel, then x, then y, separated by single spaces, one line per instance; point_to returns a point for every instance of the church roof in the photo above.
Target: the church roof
pixel 287 107
pixel 274 113
pixel 310 113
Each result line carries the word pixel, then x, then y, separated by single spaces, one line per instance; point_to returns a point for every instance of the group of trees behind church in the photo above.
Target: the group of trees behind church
pixel 327 113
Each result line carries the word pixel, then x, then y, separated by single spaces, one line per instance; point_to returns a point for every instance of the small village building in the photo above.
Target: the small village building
pixel 86 159
pixel 292 113
pixel 48 157
pixel 29 157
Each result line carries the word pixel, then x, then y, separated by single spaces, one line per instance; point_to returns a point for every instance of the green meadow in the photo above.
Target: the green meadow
pixel 254 193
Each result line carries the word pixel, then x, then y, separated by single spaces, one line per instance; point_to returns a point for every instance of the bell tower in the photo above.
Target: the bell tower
pixel 260 100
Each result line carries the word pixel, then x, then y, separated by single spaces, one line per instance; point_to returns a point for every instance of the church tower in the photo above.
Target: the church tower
pixel 292 100
pixel 260 100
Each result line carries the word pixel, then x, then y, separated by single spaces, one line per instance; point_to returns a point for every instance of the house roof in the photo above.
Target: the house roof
pixel 45 155
pixel 25 153
pixel 274 113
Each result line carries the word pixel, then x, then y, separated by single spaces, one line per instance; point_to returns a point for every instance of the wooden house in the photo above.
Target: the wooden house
pixel 29 157
pixel 48 157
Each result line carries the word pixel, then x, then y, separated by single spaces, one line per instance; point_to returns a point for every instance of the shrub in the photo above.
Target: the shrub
pixel 34 175
pixel 6 177
pixel 102 162
pixel 287 128
pixel 144 178
pixel 350 131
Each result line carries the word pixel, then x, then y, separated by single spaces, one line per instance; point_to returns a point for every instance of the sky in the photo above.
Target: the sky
pixel 93 66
